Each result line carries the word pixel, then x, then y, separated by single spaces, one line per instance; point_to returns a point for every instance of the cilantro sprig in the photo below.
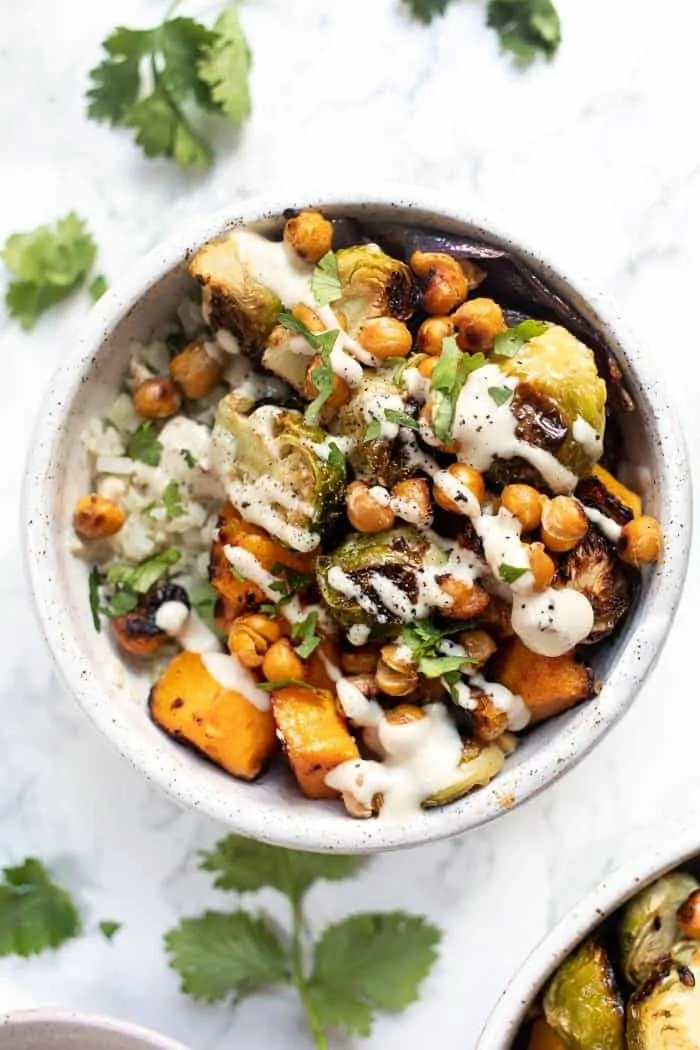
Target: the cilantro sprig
pixel 449 376
pixel 508 343
pixel 425 640
pixel 126 583
pixel 356 967
pixel 37 913
pixel 325 280
pixel 305 635
pixel 151 80
pixel 144 446
pixel 46 265
pixel 322 375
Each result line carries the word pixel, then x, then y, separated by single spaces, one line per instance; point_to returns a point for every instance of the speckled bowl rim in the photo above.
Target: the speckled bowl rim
pixel 638 651
pixel 505 1020
pixel 57 1018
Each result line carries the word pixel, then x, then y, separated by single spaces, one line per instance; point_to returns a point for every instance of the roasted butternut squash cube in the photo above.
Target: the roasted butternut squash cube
pixel 314 735
pixel 626 496
pixel 189 704
pixel 547 684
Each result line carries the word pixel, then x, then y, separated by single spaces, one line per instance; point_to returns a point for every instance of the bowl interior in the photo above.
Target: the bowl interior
pixel 115 697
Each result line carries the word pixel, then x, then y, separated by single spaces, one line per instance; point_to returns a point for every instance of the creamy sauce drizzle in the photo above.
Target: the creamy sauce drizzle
pixel 610 529
pixel 510 703
pixel 230 674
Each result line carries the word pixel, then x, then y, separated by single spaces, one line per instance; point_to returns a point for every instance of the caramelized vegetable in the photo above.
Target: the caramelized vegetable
pixel 547 684
pixel 582 1003
pixel 593 569
pixel 314 736
pixel 192 706
pixel 542 1037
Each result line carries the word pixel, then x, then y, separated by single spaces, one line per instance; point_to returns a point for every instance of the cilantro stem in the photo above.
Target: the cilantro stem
pixel 299 980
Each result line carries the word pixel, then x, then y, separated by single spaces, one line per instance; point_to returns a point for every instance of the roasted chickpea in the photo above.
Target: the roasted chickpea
pixel 282 663
pixel 340 391
pixel 411 501
pixel 385 337
pixel 364 512
pixel 479 647
pixel 399 658
pixel 688 916
pixel 564 523
pixel 427 367
pixel 392 682
pixel 157 398
pixel 641 542
pixel 489 721
pixel 468 599
pixel 355 808
pixel 310 235
pixel 525 502
pixel 541 566
pixel 446 285
pixel 432 334
pixel 465 477
pixel 309 317
pixel 359 661
pixel 195 371
pixel 477 323
pixel 404 714
pixel 136 634
pixel 251 636
pixel 96 517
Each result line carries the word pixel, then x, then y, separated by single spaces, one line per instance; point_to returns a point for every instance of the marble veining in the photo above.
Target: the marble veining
pixel 595 158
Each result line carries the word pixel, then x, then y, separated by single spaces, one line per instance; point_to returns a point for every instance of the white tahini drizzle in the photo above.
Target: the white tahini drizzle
pixel 588 438
pixel 513 705
pixel 275 265
pixel 230 674
pixel 610 529
pixel 553 621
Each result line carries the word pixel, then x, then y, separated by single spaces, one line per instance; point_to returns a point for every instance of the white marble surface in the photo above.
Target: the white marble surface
pixel 598 156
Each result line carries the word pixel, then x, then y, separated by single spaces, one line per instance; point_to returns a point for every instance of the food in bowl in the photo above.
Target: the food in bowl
pixel 634 984
pixel 363 500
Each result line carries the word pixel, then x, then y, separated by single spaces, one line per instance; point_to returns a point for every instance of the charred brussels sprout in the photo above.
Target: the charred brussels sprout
pixel 593 569
pixel 277 472
pixel 381 458
pixel 561 374
pixel 582 1003
pixel 373 285
pixel 480 764
pixel 664 1013
pixel 648 928
pixel 356 578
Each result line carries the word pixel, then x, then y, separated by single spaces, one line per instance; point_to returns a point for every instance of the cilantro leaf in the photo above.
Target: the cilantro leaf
pixel 306 631
pixel 35 913
pixel 188 458
pixel 500 394
pixel 525 28
pixel 367 963
pixel 97 287
pixel 373 431
pixel 172 499
pixel 244 866
pixel 402 418
pixel 282 683
pixel 427 10
pixel 94 581
pixel 47 264
pixel 182 42
pixel 220 954
pixel 325 280
pixel 142 577
pixel 203 598
pixel 144 445
pixel 336 459
pixel 108 928
pixel 119 605
pixel 510 573
pixel 224 67
pixel 161 130
pixel 424 639
pixel 322 375
pixel 116 80
pixel 507 344
pixel 437 666
pixel 449 376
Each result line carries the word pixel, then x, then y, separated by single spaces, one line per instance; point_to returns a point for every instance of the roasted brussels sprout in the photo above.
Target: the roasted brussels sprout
pixel 373 285
pixel 561 372
pixel 382 459
pixel 593 569
pixel 351 578
pixel 278 473
pixel 664 1013
pixel 480 764
pixel 648 927
pixel 582 1003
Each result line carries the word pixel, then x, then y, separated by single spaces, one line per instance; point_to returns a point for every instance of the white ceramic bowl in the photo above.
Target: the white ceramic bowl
pixel 64 1030
pixel 680 849
pixel 272 810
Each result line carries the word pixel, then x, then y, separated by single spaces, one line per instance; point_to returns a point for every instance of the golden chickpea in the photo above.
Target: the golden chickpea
pixel 385 337
pixel 641 542
pixel 413 496
pixel 404 714
pixel 251 636
pixel 489 721
pixel 340 391
pixel 96 517
pixel 427 367
pixel 468 599
pixel 477 323
pixel 359 661
pixel 479 647
pixel 525 502
pixel 398 658
pixel 282 663
pixel 432 333
pixel 392 682
pixel 468 478
pixel 564 523
pixel 134 634
pixel 446 285
pixel 541 566
pixel 309 317
pixel 310 235
pixel 195 370
pixel 157 398
pixel 364 512
pixel 688 916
